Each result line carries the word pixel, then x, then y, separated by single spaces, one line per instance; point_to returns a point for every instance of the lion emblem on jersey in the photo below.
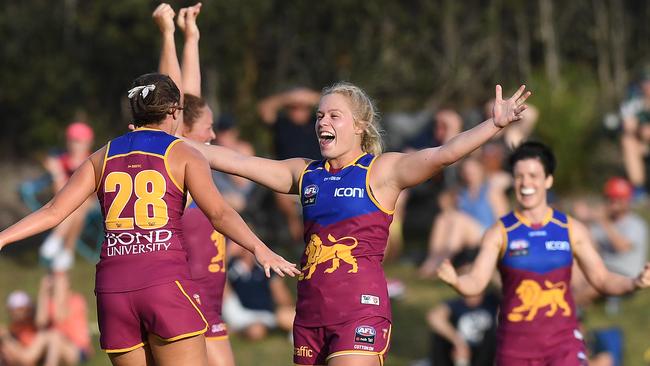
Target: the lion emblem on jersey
pixel 533 297
pixel 318 253
pixel 217 262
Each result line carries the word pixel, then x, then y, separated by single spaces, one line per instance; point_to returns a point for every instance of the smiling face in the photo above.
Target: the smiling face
pixel 531 183
pixel 338 133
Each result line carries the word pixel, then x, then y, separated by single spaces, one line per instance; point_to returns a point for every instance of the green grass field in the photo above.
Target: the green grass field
pixel 18 269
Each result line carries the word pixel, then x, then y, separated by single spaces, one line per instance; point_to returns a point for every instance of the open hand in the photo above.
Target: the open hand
pixel 507 111
pixel 163 16
pixel 447 273
pixel 186 21
pixel 269 260
pixel 643 280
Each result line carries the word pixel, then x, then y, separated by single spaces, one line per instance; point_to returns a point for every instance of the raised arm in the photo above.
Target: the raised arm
pixel 604 281
pixel 190 66
pixel 407 170
pixel 164 18
pixel 73 194
pixel 269 107
pixel 281 176
pixel 223 217
pixel 474 282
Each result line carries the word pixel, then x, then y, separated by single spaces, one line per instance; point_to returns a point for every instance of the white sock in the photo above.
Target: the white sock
pixel 63 261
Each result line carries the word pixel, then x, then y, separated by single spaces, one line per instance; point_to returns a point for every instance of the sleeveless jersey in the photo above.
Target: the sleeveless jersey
pixel 205 247
pixel 142 206
pixel 346 232
pixel 537 306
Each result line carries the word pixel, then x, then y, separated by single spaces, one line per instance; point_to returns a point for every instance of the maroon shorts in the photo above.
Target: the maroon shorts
pixel 316 345
pixel 210 297
pixel 126 318
pixel 568 350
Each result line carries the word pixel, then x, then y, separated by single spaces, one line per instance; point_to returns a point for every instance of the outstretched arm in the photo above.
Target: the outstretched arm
pixel 75 192
pixel 407 170
pixel 592 265
pixel 190 67
pixel 223 217
pixel 474 282
pixel 280 176
pixel 164 18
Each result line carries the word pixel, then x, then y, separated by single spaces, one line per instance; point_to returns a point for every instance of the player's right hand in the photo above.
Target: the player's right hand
pixel 269 260
pixel 186 21
pixel 163 16
pixel 447 273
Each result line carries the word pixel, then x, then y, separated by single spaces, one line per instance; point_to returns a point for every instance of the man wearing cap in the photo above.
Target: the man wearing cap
pixel 58 247
pixel 636 136
pixel 621 234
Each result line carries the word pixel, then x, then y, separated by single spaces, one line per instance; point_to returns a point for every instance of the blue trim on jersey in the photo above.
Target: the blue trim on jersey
pixel 328 198
pixel 540 249
pixel 149 141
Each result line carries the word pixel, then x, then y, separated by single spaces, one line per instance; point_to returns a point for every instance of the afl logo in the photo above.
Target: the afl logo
pixel 365 334
pixel 309 195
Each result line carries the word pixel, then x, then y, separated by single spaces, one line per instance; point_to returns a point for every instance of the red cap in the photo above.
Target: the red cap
pixel 79 131
pixel 617 187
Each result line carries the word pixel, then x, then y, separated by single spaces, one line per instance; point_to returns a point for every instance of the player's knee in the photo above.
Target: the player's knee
pixel 256 332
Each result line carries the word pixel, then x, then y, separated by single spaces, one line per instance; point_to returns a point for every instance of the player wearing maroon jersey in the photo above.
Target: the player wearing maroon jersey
pixel 143 279
pixel 533 249
pixel 343 311
pixel 205 247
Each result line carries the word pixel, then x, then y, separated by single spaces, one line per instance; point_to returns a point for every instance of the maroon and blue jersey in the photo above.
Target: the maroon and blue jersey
pixel 142 206
pixel 537 309
pixel 346 231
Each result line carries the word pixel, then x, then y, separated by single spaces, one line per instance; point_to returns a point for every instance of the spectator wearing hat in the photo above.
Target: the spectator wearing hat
pixel 58 247
pixel 635 140
pixel 620 234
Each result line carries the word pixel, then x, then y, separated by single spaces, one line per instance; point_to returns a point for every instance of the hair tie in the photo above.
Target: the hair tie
pixel 143 89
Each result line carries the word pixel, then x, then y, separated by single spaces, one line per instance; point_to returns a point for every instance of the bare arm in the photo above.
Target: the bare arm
pixel 439 321
pixel 592 265
pixel 278 175
pixel 224 219
pixel 41 318
pixel 475 282
pixel 190 68
pixel 78 188
pixel 407 170
pixel 269 107
pixel 164 18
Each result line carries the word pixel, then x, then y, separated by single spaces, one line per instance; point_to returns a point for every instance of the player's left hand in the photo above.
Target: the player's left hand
pixel 269 260
pixel 510 110
pixel 643 280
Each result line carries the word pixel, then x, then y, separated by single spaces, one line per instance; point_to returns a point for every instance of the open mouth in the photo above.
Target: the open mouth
pixel 527 191
pixel 325 138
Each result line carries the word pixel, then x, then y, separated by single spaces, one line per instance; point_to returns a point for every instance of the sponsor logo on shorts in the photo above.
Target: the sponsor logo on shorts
pixel 365 334
pixel 558 245
pixel 309 195
pixel 370 300
pixel 216 328
pixel 127 243
pixel 303 351
pixel 364 348
pixel 349 192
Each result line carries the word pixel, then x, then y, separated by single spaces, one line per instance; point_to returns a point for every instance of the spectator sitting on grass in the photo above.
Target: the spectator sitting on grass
pixel 254 304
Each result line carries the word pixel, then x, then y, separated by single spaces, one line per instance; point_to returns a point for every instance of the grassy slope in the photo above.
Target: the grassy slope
pixel 410 337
